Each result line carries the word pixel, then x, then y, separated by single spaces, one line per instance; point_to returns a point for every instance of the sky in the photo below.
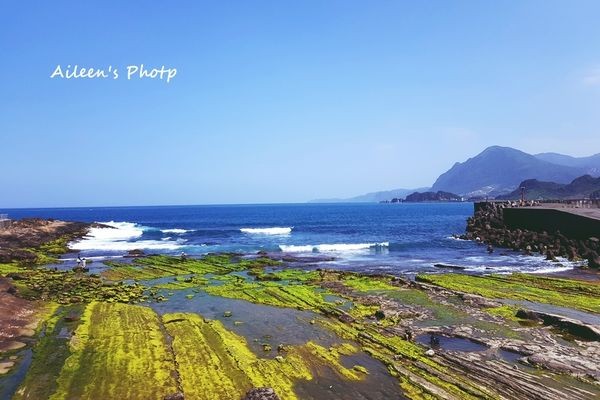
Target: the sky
pixel 284 101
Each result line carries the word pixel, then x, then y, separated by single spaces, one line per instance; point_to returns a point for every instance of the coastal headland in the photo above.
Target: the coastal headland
pixel 272 326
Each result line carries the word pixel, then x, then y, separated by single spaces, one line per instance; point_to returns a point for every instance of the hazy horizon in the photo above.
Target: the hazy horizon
pixel 285 102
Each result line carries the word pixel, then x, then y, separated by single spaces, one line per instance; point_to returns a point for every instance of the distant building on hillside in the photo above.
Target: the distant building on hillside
pixel 4 221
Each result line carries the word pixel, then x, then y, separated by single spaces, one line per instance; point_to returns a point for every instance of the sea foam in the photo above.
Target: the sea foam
pixel 121 236
pixel 338 247
pixel 268 231
pixel 176 231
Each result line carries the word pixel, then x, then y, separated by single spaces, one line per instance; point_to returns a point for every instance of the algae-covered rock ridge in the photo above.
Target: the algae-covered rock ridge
pixel 230 326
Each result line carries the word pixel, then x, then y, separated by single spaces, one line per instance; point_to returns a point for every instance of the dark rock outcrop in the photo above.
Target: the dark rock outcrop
pixel 23 235
pixel 261 394
pixel 175 396
pixel 432 196
pixel 488 226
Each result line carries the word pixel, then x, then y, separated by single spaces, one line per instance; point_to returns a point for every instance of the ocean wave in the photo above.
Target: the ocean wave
pixel 176 231
pixel 339 247
pixel 539 269
pixel 126 246
pixel 117 231
pixel 549 270
pixel 528 264
pixel 121 236
pixel 457 238
pixel 268 231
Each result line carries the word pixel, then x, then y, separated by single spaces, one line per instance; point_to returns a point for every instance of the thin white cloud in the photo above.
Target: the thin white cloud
pixel 592 77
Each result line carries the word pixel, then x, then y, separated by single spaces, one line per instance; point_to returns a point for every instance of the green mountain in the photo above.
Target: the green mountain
pixel 591 163
pixel 499 170
pixel 583 187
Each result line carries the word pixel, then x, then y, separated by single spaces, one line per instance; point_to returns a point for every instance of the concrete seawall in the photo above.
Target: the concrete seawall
pixel 572 222
pixel 550 220
pixel 534 229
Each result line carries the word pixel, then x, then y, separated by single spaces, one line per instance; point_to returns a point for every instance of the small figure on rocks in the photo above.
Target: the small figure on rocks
pixel 434 341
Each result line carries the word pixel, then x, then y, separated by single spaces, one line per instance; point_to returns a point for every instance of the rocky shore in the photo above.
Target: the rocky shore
pixel 33 240
pixel 263 326
pixel 488 226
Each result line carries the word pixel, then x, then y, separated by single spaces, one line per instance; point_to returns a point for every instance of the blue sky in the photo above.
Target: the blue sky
pixel 284 101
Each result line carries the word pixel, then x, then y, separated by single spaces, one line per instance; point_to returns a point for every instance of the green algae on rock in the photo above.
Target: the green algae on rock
pixel 215 363
pixel 49 353
pixel 418 375
pixel 204 359
pixel 302 297
pixel 561 292
pixel 71 287
pixel 7 268
pixel 332 357
pixel 160 266
pixel 118 352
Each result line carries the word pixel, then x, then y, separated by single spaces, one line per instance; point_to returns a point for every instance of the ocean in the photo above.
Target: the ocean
pixel 386 238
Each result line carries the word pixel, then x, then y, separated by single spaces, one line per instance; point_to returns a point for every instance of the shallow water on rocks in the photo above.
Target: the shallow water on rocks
pixel 257 323
pixel 261 324
pixel 377 385
pixel 582 316
pixel 10 383
pixel 450 343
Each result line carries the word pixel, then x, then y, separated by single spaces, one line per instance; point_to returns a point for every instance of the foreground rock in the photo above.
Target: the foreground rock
pixel 23 240
pixel 261 394
pixel 16 316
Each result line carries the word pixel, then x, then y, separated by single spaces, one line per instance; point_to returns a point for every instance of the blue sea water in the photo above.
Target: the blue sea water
pixel 394 238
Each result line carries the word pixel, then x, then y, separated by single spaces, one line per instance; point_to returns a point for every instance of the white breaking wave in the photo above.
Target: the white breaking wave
pixel 118 231
pixel 340 247
pixel 268 231
pixel 527 264
pixel 176 231
pixel 549 270
pixel 457 238
pixel 121 237
pixel 126 246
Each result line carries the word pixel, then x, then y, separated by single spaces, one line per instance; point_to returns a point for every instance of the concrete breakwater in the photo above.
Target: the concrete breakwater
pixel 544 229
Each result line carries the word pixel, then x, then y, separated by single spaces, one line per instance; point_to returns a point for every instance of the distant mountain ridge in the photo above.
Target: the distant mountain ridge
pixel 499 170
pixel 494 172
pixel 582 187
pixel 591 163
pixel 373 197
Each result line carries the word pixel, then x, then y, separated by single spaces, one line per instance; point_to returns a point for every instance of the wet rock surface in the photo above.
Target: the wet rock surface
pixel 16 316
pixel 375 327
pixel 261 394
pixel 534 347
